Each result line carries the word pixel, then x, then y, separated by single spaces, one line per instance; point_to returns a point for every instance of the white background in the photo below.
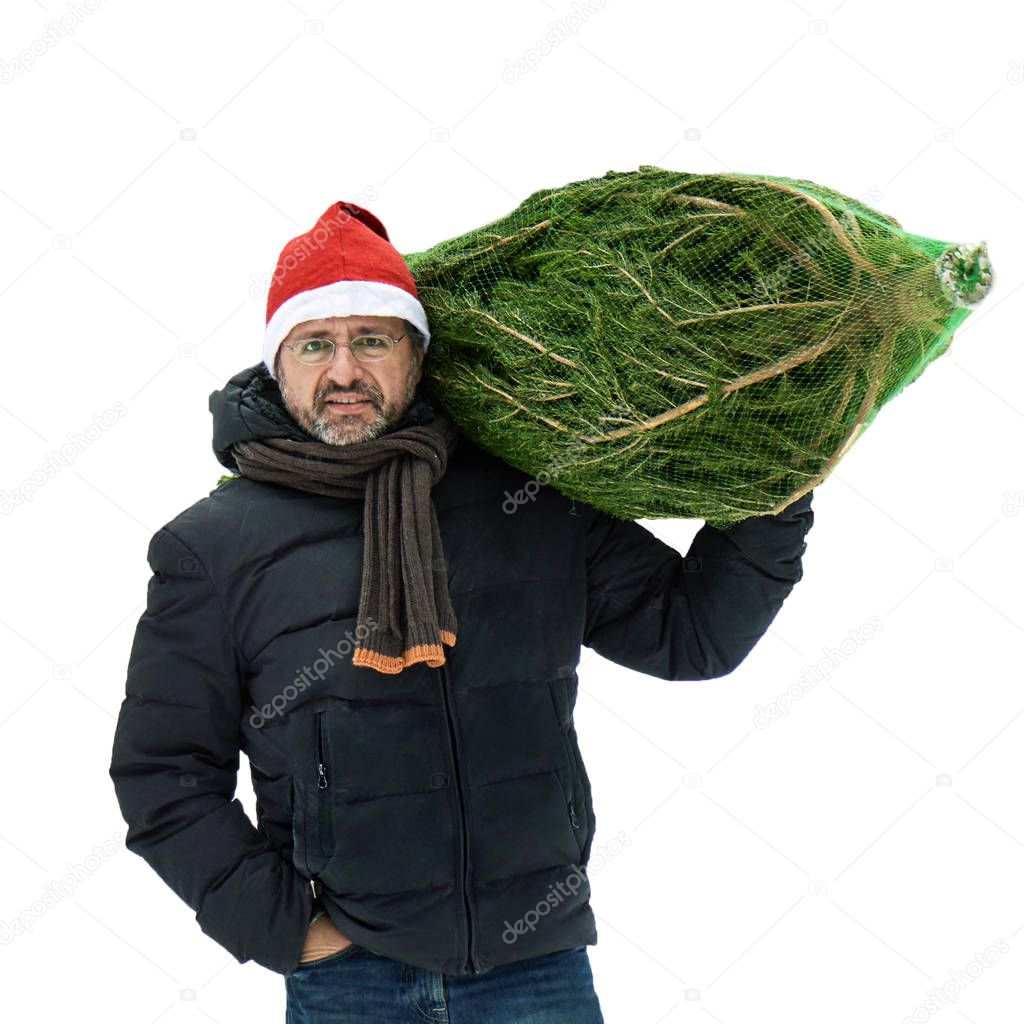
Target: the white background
pixel 835 863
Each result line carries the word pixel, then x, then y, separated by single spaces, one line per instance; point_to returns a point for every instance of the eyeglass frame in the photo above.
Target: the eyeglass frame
pixel 335 346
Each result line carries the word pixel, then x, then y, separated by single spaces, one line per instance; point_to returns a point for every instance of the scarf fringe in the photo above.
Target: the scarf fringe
pixel 432 654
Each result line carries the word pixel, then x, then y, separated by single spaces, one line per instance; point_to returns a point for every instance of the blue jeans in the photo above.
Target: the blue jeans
pixel 355 986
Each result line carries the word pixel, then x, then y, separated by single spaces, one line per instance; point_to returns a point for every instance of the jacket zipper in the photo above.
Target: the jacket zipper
pixel 321 767
pixel 315 885
pixel 324 807
pixel 470 965
pixel 571 762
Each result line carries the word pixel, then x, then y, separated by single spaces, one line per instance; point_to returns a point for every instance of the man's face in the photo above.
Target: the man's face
pixel 385 387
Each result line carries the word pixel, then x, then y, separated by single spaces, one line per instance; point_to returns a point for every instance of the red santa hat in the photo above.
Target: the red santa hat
pixel 345 265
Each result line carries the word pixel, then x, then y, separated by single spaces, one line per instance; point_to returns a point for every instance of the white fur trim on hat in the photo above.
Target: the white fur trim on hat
pixel 342 298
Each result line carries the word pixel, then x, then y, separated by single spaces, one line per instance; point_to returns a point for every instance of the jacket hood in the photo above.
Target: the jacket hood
pixel 250 407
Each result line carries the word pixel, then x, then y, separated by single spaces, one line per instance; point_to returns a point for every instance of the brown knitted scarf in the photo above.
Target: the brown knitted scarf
pixel 405 613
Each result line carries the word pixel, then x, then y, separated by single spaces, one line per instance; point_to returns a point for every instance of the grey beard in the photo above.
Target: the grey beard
pixel 331 430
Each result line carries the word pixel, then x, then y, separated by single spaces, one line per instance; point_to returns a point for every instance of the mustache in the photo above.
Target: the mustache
pixel 347 394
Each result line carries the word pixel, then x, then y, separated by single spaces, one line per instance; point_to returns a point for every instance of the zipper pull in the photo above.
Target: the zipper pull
pixel 316 887
pixel 321 768
pixel 572 816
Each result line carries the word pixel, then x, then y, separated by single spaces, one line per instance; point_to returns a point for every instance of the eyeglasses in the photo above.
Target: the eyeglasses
pixel 367 348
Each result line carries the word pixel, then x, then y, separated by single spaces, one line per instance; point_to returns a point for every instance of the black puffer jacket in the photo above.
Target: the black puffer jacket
pixel 446 813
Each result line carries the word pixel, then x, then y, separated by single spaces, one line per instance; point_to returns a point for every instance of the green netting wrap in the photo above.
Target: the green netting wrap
pixel 662 344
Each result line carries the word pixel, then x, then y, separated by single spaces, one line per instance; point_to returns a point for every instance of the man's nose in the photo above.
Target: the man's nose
pixel 344 368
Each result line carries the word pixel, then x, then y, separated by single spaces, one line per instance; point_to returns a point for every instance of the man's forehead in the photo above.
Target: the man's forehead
pixel 333 323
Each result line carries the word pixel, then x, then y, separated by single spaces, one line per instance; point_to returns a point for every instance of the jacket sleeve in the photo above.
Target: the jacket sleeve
pixel 696 616
pixel 175 762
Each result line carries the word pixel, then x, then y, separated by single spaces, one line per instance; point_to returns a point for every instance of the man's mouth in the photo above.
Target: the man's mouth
pixel 347 404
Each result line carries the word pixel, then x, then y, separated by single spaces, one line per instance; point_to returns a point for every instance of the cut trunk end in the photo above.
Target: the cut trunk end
pixel 965 273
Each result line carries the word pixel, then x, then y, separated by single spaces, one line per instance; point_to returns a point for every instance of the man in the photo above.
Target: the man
pixel 395 651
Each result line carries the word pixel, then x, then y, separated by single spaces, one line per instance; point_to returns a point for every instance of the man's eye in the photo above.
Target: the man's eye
pixel 313 345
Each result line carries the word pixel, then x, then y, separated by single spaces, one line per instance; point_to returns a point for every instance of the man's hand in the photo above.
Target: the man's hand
pixel 322 939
